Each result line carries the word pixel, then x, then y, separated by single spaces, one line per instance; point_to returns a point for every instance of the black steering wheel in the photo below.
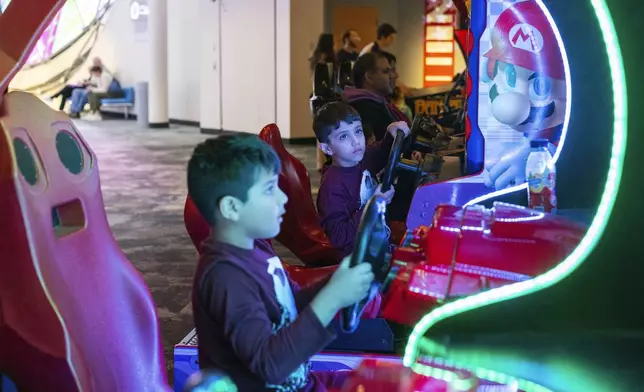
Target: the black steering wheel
pixel 371 246
pixel 392 162
pixel 423 130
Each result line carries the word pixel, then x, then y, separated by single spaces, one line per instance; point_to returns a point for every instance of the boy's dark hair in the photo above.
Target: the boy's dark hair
pixel 328 119
pixel 96 68
pixel 228 165
pixel 366 63
pixel 385 30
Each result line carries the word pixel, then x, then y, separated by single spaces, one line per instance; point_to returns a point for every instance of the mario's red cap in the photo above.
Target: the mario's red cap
pixel 523 36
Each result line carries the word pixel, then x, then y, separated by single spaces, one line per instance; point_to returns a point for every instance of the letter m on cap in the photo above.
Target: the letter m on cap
pixel 527 37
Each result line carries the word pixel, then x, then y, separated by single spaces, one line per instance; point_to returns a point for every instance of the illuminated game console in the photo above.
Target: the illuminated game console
pixel 186 360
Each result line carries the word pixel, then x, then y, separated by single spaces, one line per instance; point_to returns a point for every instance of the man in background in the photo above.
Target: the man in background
pixel 374 80
pixel 386 36
pixel 349 51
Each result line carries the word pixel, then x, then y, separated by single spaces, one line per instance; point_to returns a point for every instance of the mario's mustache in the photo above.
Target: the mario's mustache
pixel 538 114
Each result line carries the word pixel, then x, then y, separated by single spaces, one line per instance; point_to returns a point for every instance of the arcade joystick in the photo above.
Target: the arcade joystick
pixel 209 381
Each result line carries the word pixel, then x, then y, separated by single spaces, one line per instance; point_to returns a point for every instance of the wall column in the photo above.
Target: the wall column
pixel 158 55
pixel 209 58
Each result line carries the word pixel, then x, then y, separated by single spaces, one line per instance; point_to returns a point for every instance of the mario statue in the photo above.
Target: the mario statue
pixel 528 92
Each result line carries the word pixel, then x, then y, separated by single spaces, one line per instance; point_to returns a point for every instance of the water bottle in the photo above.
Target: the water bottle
pixel 541 176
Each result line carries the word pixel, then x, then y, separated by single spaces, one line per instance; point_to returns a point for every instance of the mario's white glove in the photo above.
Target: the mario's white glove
pixel 507 171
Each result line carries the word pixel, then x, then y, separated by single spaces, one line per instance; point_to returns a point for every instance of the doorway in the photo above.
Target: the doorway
pixel 363 19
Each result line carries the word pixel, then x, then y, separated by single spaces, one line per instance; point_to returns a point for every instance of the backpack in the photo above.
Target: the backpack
pixel 115 86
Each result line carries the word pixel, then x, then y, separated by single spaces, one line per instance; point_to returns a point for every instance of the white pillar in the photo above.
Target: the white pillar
pixel 158 55
pixel 209 58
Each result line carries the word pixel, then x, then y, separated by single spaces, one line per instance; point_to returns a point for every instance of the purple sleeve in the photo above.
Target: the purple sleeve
pixel 377 154
pixel 339 223
pixel 303 296
pixel 237 303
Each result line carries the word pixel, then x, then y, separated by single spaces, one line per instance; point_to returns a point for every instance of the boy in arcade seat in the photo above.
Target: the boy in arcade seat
pixel 252 322
pixel 349 182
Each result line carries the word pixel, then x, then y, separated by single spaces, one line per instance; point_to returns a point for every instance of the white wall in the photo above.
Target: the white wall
pixel 283 66
pixel 306 25
pixel 248 64
pixel 183 54
pixel 209 65
pixel 121 49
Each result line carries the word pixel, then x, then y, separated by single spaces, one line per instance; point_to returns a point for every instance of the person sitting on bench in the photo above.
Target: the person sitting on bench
pixel 106 87
pixel 66 92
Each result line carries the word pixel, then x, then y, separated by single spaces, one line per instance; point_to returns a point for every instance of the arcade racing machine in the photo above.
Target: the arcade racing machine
pixel 458 250
pixel 575 327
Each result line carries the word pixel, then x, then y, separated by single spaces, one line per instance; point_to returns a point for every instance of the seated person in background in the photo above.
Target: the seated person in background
pixel 99 92
pixel 323 52
pixel 99 83
pixel 349 182
pixel 405 90
pixel 398 99
pixel 386 35
pixel 252 322
pixel 349 51
pixel 374 80
pixel 66 92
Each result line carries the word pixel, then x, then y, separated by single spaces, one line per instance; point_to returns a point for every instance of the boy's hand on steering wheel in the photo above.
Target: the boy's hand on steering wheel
pixel 350 285
pixel 388 196
pixel 417 156
pixel 347 287
pixel 398 125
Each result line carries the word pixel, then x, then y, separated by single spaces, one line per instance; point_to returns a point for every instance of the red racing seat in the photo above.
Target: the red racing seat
pixel 75 315
pixel 301 231
pixel 196 225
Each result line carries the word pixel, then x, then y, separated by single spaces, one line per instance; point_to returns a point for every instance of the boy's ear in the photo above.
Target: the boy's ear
pixel 325 148
pixel 230 208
